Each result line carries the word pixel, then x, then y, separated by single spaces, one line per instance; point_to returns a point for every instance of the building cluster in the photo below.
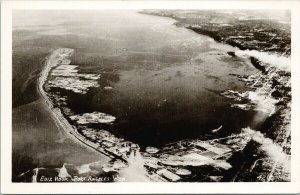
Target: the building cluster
pixel 179 161
pixel 173 162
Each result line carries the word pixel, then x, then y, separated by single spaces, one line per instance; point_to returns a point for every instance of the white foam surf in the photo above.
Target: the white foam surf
pixel 281 62
pixel 273 150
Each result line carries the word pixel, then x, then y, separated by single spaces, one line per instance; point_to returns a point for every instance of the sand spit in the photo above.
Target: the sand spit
pixel 128 159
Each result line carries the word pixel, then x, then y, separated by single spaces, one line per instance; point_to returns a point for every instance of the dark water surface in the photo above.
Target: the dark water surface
pixel 166 80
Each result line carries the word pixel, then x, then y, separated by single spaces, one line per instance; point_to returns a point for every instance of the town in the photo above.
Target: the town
pixel 178 161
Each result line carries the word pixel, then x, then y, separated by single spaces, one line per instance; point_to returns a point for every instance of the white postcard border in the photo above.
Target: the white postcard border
pixel 140 187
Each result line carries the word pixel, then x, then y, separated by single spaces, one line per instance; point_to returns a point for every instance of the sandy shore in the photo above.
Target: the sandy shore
pixel 52 61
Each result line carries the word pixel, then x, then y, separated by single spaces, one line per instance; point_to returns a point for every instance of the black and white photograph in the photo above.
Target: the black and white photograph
pixel 145 94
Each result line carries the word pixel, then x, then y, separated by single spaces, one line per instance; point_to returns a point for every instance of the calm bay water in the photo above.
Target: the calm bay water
pixel 166 80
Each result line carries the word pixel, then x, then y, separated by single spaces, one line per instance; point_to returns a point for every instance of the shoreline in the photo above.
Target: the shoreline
pixel 70 129
pixel 137 163
pixel 84 140
pixel 272 80
pixel 249 39
pixel 56 113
